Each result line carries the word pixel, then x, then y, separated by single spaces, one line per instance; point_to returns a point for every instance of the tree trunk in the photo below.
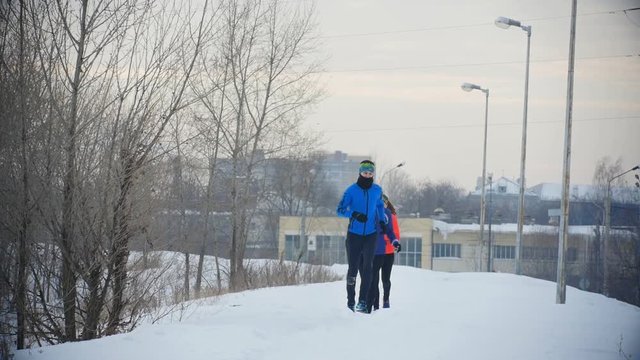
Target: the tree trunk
pixel 205 233
pixel 67 234
pixel 233 267
pixel 95 304
pixel 187 267
pixel 198 285
pixel 216 249
pixel 120 249
pixel 21 285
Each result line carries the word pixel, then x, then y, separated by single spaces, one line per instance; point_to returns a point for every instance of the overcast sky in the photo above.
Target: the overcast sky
pixel 394 72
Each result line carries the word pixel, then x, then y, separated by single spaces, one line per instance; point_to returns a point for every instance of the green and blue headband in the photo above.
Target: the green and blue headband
pixel 367 166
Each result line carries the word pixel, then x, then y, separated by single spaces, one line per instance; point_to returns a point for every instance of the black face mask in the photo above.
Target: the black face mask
pixel 364 182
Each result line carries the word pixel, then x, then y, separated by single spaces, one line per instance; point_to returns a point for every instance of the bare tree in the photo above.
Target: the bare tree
pixel 211 89
pixel 267 83
pixel 426 196
pixel 81 35
pixel 183 182
pixel 623 261
pixel 102 80
pixel 19 126
pixel 144 127
pixel 209 130
pixel 89 90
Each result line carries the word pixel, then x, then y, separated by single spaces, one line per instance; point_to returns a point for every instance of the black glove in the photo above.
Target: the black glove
pixel 396 244
pixel 359 216
pixel 383 226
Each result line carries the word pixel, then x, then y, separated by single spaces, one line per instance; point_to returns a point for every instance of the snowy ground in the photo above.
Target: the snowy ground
pixel 433 316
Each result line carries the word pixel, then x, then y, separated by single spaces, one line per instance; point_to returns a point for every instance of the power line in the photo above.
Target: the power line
pixel 476 64
pixel 462 26
pixel 480 125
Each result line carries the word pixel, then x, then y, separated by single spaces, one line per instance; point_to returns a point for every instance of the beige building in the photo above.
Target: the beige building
pixel 325 238
pixel 436 245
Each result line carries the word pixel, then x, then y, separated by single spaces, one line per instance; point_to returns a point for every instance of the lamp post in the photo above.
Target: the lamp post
pixel 607 226
pixel 504 23
pixel 469 87
pixel 390 170
pixel 490 255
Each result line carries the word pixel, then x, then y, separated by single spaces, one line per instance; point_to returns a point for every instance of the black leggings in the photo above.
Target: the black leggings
pixel 360 251
pixel 384 263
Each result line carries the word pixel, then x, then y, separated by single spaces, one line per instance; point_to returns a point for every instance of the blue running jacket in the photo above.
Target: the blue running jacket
pixel 366 201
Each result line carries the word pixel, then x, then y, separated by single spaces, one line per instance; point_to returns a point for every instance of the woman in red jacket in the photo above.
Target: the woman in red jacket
pixel 387 243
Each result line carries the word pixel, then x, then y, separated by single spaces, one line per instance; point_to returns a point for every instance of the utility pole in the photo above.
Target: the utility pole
pixel 490 254
pixel 566 168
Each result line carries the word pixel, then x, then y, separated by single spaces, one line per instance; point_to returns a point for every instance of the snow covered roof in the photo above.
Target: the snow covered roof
pixel 502 186
pixel 553 191
pixel 446 228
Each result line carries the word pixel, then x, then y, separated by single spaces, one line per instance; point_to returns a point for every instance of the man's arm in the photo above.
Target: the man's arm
pixel 343 206
pixel 380 209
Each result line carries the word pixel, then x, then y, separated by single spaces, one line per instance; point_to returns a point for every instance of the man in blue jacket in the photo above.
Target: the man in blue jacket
pixel 362 204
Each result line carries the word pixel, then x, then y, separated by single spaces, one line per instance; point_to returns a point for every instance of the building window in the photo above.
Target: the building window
pixel 548 253
pixel 446 250
pixel 504 252
pixel 539 253
pixel 411 254
pixel 330 250
pixel 502 189
pixel 291 246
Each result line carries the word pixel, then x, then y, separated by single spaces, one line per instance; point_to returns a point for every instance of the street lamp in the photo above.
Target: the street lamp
pixel 607 226
pixel 490 255
pixel 390 170
pixel 469 87
pixel 504 23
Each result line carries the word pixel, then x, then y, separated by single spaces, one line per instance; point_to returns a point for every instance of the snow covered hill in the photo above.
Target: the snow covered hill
pixel 433 315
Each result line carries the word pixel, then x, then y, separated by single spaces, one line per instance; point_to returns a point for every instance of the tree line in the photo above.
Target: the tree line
pixel 109 110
